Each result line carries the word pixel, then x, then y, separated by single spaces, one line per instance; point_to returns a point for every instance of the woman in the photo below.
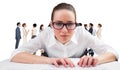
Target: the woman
pixel 41 28
pixel 34 31
pixel 99 31
pixel 63 40
pixel 25 33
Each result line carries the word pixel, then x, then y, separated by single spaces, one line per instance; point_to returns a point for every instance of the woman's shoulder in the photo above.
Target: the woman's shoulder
pixel 80 30
pixel 46 32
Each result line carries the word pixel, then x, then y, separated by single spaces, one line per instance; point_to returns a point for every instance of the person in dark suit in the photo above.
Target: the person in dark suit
pixel 17 35
pixel 91 28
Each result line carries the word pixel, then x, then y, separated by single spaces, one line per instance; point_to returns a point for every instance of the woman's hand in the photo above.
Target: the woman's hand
pixel 87 61
pixel 62 61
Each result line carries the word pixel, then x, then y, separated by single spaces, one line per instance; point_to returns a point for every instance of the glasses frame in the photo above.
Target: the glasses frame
pixel 63 26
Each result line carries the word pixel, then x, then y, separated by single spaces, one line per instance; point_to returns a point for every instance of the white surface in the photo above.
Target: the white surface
pixel 6 65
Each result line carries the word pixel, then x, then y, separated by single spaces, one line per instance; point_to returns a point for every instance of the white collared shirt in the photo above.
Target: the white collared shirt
pixel 74 48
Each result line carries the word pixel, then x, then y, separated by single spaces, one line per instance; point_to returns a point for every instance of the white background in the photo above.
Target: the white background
pixel 106 12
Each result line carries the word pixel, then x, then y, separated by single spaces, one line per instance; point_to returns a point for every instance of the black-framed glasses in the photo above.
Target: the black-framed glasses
pixel 68 25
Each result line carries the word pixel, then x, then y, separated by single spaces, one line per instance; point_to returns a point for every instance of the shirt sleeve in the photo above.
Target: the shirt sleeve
pixel 98 45
pixel 32 46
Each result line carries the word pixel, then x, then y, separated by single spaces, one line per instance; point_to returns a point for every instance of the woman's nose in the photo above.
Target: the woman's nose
pixel 64 29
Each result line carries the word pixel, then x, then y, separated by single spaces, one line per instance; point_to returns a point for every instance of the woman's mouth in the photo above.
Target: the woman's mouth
pixel 64 35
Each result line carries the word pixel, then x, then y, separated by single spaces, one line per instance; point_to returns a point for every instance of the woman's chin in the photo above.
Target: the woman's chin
pixel 64 41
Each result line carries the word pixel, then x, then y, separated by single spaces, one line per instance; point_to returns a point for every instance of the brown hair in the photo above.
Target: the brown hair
pixel 41 26
pixel 23 24
pixel 63 6
pixel 100 25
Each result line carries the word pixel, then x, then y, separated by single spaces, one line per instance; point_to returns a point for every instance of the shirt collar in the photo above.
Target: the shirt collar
pixel 52 39
pixel 74 39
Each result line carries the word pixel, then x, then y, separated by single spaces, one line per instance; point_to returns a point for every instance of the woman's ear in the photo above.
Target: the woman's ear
pixel 51 25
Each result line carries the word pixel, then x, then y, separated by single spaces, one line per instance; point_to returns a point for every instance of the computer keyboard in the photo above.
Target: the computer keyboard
pixel 98 67
pixel 79 68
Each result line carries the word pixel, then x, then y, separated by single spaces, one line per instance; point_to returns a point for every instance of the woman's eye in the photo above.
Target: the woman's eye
pixel 70 24
pixel 59 24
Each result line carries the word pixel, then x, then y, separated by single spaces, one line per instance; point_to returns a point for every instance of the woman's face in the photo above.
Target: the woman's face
pixel 63 16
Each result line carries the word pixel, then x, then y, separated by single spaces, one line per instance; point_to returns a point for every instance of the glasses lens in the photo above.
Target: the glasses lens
pixel 71 25
pixel 58 25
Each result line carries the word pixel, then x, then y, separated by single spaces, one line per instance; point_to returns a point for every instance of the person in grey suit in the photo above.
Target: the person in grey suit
pixel 17 35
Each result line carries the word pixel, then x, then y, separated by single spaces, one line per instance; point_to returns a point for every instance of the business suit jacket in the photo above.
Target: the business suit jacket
pixel 17 33
pixel 91 30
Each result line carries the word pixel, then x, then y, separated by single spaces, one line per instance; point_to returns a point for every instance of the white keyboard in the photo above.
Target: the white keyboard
pixel 87 68
pixel 76 68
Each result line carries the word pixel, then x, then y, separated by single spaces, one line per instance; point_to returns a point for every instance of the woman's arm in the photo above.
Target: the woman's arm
pixel 106 57
pixel 25 57
pixel 33 59
pixel 87 61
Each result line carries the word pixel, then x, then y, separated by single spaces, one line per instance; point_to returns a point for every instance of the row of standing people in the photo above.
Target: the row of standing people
pixel 25 33
pixel 34 31
pixel 94 32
